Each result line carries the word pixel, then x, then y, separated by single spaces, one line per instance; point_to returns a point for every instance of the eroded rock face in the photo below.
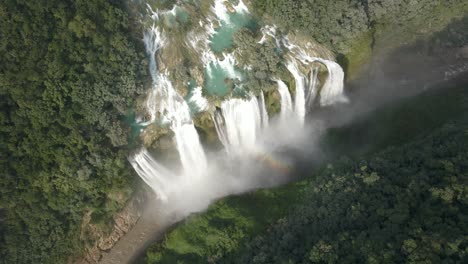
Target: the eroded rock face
pixel 206 129
pixel 104 241
pixel 155 136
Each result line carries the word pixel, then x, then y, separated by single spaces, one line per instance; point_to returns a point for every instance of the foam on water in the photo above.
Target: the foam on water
pixel 248 134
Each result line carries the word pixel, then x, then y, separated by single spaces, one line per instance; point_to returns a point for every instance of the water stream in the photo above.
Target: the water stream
pixel 250 137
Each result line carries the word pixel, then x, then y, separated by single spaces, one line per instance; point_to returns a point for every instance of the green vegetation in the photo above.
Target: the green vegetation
pixel 399 123
pixel 406 203
pixel 354 28
pixel 222 228
pixel 264 60
pixel 69 72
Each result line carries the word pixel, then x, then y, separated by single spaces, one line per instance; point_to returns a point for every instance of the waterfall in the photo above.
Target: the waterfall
pixel 238 123
pixel 270 31
pixel 332 90
pixel 165 103
pixel 299 98
pixel 263 111
pixel 153 174
pixel 190 150
pixel 312 89
pixel 286 101
pixel 307 89
pixel 154 40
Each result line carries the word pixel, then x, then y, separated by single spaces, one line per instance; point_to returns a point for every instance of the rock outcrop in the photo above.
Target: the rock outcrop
pixel 104 241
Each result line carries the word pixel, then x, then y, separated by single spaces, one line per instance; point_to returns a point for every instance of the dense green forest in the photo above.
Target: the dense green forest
pixel 353 29
pixel 69 72
pixel 339 23
pixel 404 204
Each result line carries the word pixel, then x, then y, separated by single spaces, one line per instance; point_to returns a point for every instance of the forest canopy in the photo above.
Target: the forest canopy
pixel 405 204
pixel 70 70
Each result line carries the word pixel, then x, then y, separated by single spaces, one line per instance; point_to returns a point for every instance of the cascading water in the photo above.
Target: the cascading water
pixel 312 88
pixel 263 112
pixel 154 174
pixel 173 109
pixel 286 101
pixel 299 99
pixel 332 90
pixel 241 124
pixel 164 101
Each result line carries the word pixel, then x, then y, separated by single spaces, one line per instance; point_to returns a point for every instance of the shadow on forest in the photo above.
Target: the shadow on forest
pixel 406 93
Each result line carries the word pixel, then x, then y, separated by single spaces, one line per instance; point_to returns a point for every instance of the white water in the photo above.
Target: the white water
pixel 263 112
pixel 299 99
pixel 200 42
pixel 241 7
pixel 198 100
pixel 154 174
pixel 165 103
pixel 243 125
pixel 269 31
pixel 220 10
pixel 286 101
pixel 154 40
pixel 312 88
pixel 332 90
pixel 239 123
pixel 222 13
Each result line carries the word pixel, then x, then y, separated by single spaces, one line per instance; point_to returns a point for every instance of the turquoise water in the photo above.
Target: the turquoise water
pixel 220 84
pixel 135 127
pixel 181 17
pixel 223 38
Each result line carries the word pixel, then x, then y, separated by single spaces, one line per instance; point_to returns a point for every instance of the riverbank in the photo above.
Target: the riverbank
pixel 364 209
pixel 408 83
pixel 345 139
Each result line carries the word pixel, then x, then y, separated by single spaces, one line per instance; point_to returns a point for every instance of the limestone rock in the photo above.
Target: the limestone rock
pixel 123 222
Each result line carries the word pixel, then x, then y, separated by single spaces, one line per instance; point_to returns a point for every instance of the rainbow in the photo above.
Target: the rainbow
pixel 272 162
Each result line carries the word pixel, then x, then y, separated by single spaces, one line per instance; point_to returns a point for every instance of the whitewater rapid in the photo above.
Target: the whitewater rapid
pixel 166 104
pixel 241 123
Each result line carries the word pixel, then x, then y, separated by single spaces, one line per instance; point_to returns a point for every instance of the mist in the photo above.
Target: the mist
pixel 263 152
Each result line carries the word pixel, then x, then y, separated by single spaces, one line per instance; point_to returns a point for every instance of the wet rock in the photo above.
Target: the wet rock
pixel 153 133
pixel 165 142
